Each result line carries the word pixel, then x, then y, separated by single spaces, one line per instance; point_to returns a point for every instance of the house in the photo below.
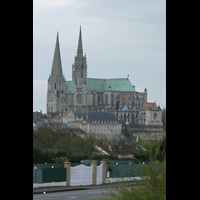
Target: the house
pixel 37 142
pixel 150 114
pixel 115 149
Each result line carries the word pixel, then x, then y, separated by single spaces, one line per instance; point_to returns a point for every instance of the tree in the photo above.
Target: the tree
pixel 79 144
pixel 48 135
pixel 87 143
pixel 152 185
pixel 36 154
pixel 65 144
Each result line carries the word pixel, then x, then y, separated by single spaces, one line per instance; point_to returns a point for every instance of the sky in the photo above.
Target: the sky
pixel 119 37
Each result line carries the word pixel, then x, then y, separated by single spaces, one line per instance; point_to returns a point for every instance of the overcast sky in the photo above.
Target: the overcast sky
pixel 120 37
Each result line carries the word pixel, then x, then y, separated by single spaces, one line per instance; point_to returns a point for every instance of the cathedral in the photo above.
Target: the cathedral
pixel 83 94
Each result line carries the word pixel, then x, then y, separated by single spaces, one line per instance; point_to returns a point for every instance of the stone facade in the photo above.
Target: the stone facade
pixel 104 123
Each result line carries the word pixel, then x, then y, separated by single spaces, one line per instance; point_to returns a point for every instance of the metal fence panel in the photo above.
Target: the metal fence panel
pixel 37 175
pixel 48 165
pixel 88 162
pixel 54 175
pixel 75 164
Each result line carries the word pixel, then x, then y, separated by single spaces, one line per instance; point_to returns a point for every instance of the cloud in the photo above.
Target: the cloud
pixel 51 3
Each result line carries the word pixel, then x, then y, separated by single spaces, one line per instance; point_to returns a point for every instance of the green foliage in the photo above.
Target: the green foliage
pixel 101 157
pixel 59 160
pixel 64 144
pixel 59 157
pixel 139 154
pixel 75 144
pixel 46 157
pixel 48 135
pixel 36 154
pixel 86 144
pixel 152 183
pixel 154 147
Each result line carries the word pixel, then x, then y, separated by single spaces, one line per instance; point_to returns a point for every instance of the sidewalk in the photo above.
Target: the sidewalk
pixel 70 188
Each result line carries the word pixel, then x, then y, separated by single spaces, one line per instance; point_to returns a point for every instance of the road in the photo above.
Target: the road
pixel 75 194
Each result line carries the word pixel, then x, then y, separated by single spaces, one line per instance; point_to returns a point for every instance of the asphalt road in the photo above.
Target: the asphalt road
pixel 75 194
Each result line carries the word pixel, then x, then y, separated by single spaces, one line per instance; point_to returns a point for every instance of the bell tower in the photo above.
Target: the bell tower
pixel 79 68
pixel 56 83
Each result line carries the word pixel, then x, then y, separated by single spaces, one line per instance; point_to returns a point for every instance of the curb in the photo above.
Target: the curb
pixel 58 189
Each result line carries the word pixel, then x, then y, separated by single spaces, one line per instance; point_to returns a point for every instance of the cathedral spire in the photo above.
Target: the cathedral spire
pixel 80 48
pixel 56 66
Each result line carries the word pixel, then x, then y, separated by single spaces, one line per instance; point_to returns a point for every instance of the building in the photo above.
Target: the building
pixel 83 94
pixel 104 123
pixel 147 114
pixel 121 151
pixel 37 142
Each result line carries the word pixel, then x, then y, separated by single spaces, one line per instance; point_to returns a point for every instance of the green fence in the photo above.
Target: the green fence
pixel 114 162
pixel 88 162
pixel 125 170
pixel 75 164
pixel 49 165
pixel 131 170
pixel 52 165
pixel 46 175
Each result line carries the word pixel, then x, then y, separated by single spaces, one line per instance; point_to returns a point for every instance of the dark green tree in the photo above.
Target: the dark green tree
pixel 48 135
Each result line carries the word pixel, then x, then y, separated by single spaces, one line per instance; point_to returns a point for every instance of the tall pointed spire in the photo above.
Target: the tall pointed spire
pixel 80 48
pixel 79 68
pixel 56 66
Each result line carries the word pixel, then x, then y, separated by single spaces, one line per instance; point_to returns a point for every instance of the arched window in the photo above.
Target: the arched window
pixel 154 116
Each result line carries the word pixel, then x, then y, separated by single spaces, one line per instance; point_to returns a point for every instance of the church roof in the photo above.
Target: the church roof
pixel 102 85
pixel 149 106
pixel 69 86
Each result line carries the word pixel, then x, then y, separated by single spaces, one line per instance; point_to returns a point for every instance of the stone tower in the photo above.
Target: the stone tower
pixel 56 83
pixel 79 68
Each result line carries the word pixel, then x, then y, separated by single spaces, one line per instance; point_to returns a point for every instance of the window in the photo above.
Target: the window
pixel 154 116
pixel 55 85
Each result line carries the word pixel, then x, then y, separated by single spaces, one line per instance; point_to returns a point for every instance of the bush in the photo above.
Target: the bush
pixel 150 187
pixel 36 154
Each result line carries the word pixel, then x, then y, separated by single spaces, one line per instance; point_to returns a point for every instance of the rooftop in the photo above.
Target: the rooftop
pixel 102 117
pixel 102 85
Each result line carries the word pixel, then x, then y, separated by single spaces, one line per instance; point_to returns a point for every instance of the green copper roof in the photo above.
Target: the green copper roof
pixel 69 86
pixel 101 85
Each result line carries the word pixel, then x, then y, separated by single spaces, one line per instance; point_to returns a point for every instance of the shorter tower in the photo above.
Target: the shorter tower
pixel 56 83
pixel 79 68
